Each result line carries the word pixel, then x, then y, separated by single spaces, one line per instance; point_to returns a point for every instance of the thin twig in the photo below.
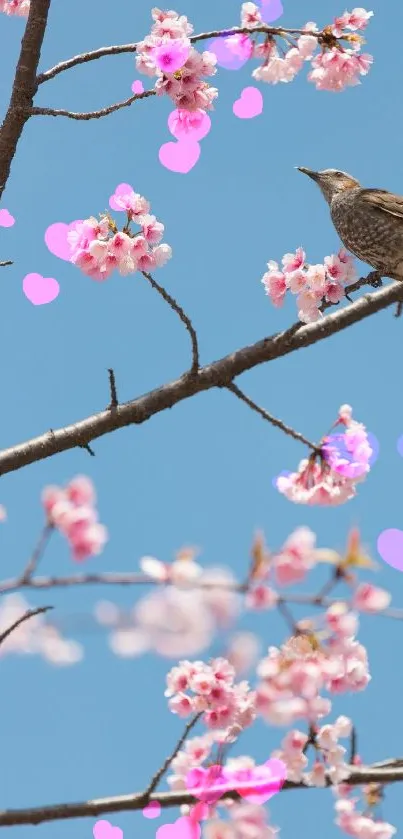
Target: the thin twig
pixel 218 374
pixel 184 318
pixel 102 52
pixel 161 772
pixel 271 419
pixel 112 387
pixel 86 115
pixel 137 801
pixel 30 614
pixel 7 262
pixel 37 554
pixel 353 745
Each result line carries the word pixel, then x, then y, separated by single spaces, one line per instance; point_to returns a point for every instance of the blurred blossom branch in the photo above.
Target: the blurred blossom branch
pixel 137 801
pixel 218 374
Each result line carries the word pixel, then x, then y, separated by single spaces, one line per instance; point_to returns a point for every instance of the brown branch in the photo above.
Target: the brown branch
pixel 112 387
pixel 161 772
pixel 218 374
pixel 184 318
pixel 30 614
pixel 271 419
pixel 85 115
pixel 24 87
pixel 102 52
pixel 32 565
pixel 392 773
pixel 7 262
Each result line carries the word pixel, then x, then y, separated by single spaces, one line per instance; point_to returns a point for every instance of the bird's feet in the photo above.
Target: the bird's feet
pixel 374 279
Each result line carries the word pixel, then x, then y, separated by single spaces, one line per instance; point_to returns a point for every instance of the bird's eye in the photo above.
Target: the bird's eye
pixel 339 174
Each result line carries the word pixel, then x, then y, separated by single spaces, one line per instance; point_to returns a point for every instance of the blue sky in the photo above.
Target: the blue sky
pixel 201 473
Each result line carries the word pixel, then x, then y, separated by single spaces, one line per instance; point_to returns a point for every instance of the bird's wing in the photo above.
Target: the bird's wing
pixel 385 201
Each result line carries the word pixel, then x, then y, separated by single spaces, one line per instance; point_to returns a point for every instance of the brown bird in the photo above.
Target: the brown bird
pixel 368 221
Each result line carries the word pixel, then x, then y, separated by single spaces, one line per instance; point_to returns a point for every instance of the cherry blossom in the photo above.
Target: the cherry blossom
pixel 72 511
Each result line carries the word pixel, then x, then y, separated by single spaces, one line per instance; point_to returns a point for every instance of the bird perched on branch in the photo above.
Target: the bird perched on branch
pixel 368 221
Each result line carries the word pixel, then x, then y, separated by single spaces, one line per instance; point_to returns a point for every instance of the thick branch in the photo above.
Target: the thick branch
pixel 218 374
pixel 24 87
pixel 137 801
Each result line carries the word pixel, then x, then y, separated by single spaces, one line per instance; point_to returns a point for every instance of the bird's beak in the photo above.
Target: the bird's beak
pixel 309 172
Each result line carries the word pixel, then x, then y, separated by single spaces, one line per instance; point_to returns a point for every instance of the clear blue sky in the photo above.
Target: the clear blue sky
pixel 201 473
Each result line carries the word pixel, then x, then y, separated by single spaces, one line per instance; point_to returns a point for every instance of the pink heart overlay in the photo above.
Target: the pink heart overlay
pixel 56 239
pixel 194 126
pixel 40 290
pixel 152 811
pixel 6 219
pixel 106 830
pixel 121 189
pixel 249 105
pixel 137 86
pixel 183 828
pixel 259 784
pixel 255 785
pixel 180 156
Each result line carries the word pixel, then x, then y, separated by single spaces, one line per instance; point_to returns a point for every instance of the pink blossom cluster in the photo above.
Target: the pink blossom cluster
pixel 331 478
pixel 313 284
pixel 15 7
pixel 334 68
pixel 98 247
pixel 72 511
pixel 34 636
pixel 289 565
pixel 176 620
pixel 330 761
pixel 212 693
pixel 358 824
pixel 293 676
pixel 167 53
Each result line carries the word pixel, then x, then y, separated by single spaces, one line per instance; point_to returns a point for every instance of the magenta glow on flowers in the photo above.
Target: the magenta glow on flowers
pixel 330 479
pixel 72 511
pixel 313 285
pixel 171 56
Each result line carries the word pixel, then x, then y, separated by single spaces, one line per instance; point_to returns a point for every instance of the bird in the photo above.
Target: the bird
pixel 368 221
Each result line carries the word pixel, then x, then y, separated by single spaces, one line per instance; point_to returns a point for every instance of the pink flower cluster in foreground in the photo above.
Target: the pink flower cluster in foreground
pixel 34 636
pixel 98 247
pixel 15 7
pixel 334 68
pixel 72 511
pixel 330 479
pixel 195 687
pixel 167 53
pixel 312 284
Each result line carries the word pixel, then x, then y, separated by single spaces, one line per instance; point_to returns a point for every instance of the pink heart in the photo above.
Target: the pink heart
pixel 250 103
pixel 40 290
pixel 6 219
pixel 137 86
pixel 260 783
pixel 183 828
pixel 152 811
pixel 208 785
pixel 183 124
pixel 106 830
pixel 121 189
pixel 56 238
pixel 180 156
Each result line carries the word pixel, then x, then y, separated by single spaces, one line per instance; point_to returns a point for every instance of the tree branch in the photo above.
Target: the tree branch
pixel 30 614
pixel 137 801
pixel 24 87
pixel 85 115
pixel 271 419
pixel 184 318
pixel 218 374
pixel 102 52
pixel 161 772
pixel 7 262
